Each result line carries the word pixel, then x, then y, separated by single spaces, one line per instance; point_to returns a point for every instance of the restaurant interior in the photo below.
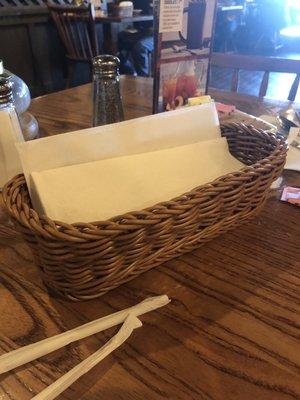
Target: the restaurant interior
pixel 31 46
pixel 149 199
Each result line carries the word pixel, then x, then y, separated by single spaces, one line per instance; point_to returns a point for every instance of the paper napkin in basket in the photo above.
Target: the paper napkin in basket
pixel 140 135
pixel 102 189
pixel 95 174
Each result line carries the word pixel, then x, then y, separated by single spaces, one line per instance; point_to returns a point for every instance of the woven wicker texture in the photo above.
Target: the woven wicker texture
pixel 84 261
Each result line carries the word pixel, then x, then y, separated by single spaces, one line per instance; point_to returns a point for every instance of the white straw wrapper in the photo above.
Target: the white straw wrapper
pixel 57 387
pixel 33 351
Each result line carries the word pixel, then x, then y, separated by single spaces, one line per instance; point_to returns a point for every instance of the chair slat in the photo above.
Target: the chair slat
pixel 76 27
pixel 61 29
pixel 89 46
pixel 80 30
pixel 238 62
pixel 255 63
pixel 264 84
pixel 92 28
pixel 66 27
pixel 235 80
pixel 294 88
pixel 74 42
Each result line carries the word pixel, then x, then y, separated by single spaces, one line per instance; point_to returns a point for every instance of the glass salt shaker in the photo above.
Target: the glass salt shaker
pixel 21 101
pixel 107 102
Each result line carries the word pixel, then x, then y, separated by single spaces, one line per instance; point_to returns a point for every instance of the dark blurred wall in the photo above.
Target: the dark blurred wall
pixel 31 48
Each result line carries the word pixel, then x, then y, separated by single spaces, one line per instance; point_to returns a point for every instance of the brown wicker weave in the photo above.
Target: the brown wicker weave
pixel 84 261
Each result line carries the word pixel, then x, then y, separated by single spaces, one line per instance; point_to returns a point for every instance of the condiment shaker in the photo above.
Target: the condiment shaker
pixel 107 102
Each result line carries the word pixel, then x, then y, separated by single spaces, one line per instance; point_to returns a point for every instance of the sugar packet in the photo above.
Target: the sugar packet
pixel 291 195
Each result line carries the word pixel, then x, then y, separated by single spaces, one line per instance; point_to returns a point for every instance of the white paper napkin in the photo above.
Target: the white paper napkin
pixel 103 189
pixel 154 132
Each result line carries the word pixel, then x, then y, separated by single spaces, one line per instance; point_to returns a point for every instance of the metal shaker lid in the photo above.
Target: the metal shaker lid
pixel 106 65
pixel 6 95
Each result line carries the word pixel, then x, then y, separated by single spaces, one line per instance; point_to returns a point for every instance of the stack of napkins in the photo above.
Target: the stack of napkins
pixel 96 174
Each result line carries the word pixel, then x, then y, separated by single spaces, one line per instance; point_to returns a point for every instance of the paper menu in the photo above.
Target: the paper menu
pixel 100 190
pixel 154 132
pixel 170 16
pixel 183 31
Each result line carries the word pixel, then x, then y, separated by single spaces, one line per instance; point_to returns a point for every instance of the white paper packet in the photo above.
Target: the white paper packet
pixel 293 155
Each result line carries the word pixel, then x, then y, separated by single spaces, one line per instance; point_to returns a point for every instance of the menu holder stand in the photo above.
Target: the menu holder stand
pixel 183 31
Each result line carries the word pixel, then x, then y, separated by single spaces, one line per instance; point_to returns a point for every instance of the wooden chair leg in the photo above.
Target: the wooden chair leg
pixel 150 63
pixel 71 70
pixel 91 72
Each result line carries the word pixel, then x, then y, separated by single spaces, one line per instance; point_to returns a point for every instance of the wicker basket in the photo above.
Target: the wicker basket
pixel 84 261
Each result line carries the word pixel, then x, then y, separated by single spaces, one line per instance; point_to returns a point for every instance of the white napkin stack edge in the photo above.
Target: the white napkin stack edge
pixel 100 190
pixel 117 147
pixel 140 135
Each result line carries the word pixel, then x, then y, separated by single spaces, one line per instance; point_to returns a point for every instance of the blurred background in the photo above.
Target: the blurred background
pixel 260 28
pixel 31 47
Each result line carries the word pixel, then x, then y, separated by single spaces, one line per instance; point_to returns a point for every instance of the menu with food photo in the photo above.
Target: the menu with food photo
pixel 183 38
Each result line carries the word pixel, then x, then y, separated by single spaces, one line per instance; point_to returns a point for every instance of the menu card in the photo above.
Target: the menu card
pixel 182 46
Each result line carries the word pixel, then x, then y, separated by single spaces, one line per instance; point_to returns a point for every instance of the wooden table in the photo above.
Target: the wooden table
pixel 230 333
pixel 112 25
pixel 69 110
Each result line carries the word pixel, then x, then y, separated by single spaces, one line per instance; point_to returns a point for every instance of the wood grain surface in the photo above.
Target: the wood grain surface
pixel 71 109
pixel 230 332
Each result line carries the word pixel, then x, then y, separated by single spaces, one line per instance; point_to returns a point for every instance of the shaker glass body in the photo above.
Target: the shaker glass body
pixel 107 102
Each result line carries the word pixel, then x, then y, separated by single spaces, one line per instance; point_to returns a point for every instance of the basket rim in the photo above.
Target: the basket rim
pixel 44 225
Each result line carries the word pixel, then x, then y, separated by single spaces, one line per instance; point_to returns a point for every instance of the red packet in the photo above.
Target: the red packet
pixel 291 195
pixel 225 108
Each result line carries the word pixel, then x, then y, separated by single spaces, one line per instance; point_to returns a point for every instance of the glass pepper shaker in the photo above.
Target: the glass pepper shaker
pixel 6 95
pixel 107 102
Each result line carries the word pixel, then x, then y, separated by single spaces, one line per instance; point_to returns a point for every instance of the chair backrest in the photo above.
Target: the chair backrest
pixel 255 63
pixel 76 28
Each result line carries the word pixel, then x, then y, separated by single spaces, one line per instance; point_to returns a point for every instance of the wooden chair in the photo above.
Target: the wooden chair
pixel 77 30
pixel 150 64
pixel 256 63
